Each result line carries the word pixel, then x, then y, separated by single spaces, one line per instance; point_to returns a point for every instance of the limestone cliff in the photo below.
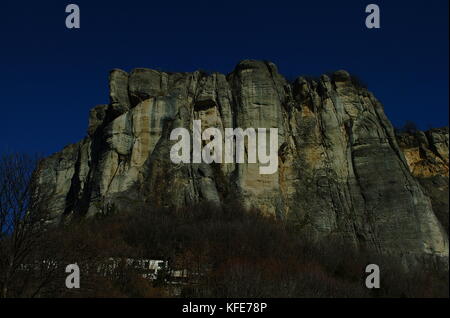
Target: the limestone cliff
pixel 341 172
pixel 427 156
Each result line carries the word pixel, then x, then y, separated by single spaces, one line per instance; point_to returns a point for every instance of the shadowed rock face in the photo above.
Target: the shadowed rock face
pixel 341 172
pixel 427 156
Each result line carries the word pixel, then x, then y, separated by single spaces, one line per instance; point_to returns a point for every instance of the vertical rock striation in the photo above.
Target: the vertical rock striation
pixel 427 156
pixel 341 172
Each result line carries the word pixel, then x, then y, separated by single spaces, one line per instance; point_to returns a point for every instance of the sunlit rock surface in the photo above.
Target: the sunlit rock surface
pixel 341 172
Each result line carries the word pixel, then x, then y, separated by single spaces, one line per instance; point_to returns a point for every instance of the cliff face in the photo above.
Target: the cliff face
pixel 341 172
pixel 427 156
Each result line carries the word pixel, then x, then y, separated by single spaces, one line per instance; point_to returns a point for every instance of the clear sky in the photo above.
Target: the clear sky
pixel 51 76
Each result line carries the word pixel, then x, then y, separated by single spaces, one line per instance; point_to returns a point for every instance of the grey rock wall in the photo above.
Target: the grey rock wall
pixel 341 172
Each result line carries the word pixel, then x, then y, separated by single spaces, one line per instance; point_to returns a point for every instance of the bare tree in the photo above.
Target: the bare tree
pixel 21 225
pixel 409 127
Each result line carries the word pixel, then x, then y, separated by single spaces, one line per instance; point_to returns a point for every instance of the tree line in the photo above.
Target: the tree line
pixel 228 251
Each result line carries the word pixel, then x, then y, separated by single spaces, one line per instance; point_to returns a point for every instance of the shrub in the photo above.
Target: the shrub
pixel 231 252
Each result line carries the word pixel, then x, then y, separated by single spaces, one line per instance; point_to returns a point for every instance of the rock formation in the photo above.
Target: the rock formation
pixel 427 156
pixel 341 173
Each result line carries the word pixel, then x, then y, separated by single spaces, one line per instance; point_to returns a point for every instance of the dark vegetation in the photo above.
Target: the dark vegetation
pixel 358 82
pixel 228 251
pixel 409 127
pixel 355 80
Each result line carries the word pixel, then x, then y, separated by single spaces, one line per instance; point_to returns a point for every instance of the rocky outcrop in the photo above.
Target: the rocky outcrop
pixel 427 156
pixel 341 172
pixel 426 152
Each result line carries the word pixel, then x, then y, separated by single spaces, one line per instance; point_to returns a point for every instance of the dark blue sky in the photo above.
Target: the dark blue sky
pixel 51 76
